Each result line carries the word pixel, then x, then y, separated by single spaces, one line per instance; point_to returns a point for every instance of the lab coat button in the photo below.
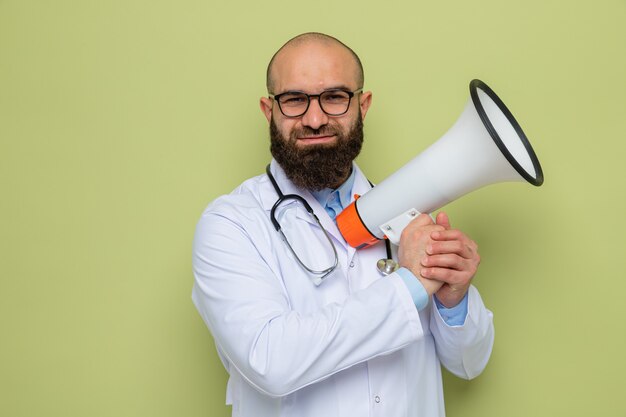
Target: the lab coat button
pixel 377 399
pixel 351 264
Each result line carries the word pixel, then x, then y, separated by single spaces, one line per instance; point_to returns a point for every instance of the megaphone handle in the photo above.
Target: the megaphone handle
pixel 394 227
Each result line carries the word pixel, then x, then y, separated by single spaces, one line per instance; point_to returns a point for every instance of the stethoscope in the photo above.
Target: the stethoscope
pixel 384 266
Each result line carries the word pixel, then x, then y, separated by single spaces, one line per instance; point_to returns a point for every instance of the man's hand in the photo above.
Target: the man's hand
pixel 452 258
pixel 413 243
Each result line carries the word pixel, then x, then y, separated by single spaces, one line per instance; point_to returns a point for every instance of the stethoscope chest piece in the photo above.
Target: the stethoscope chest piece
pixel 387 266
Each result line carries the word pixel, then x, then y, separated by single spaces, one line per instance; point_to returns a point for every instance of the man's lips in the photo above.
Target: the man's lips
pixel 316 139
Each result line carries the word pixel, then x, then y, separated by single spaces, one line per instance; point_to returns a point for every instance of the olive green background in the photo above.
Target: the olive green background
pixel 121 120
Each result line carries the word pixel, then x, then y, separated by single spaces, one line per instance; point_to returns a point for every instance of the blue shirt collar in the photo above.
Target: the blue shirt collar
pixel 344 192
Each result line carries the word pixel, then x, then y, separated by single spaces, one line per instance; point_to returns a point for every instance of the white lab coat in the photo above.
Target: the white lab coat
pixel 353 346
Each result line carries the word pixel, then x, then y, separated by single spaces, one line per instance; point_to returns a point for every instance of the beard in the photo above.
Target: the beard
pixel 315 167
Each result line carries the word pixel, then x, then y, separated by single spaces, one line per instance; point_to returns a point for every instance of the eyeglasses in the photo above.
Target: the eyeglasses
pixel 332 102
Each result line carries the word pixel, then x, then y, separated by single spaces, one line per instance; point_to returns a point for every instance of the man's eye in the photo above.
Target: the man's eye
pixel 335 97
pixel 293 100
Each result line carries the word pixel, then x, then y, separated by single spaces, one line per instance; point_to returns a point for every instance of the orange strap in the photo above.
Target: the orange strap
pixel 352 228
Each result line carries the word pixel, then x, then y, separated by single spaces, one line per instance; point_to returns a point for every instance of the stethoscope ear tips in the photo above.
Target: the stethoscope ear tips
pixel 387 266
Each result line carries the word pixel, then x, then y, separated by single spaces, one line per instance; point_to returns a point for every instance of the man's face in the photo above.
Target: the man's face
pixel 316 150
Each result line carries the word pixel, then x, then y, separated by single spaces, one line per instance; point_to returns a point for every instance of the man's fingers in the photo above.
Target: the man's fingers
pixel 464 249
pixel 449 276
pixel 452 234
pixel 450 261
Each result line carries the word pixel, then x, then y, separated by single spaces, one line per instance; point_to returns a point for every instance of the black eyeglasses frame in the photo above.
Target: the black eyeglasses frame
pixel 310 96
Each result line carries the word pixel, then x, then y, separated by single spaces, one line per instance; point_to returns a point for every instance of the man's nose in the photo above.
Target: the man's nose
pixel 314 116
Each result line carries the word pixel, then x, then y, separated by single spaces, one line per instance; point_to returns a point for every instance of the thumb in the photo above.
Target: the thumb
pixel 443 220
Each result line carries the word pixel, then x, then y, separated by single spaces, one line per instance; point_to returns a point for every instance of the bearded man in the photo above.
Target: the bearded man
pixel 304 324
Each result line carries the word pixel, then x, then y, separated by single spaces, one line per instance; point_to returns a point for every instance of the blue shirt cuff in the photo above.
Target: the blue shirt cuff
pixel 418 293
pixel 454 316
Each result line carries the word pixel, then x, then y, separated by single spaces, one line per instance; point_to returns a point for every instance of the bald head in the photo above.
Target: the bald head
pixel 308 40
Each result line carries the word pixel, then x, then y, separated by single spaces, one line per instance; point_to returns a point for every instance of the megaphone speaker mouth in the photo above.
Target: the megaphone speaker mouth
pixel 485 145
pixel 506 132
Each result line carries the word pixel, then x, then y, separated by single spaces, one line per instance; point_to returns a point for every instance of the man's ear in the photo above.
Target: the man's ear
pixel 266 104
pixel 365 102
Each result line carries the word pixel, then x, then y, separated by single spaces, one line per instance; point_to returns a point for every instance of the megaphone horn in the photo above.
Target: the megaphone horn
pixel 486 145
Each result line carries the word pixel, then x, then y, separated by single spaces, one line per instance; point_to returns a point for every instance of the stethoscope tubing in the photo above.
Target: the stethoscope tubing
pixel 286 197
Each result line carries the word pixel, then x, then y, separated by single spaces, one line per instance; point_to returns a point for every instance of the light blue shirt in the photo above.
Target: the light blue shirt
pixel 334 201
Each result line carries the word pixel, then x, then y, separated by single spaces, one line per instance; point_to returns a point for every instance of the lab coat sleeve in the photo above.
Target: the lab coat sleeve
pixel 464 350
pixel 276 349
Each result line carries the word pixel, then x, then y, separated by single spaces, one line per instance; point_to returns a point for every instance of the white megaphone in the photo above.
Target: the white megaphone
pixel 486 145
